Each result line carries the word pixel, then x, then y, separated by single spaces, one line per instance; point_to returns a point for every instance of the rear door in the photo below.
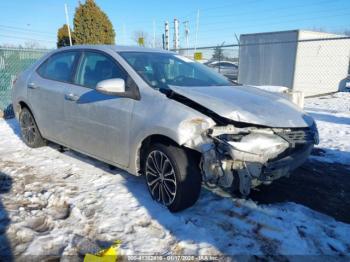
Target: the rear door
pixel 98 124
pixel 46 89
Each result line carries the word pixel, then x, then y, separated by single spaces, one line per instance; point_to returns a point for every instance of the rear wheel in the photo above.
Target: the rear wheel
pixel 30 131
pixel 173 176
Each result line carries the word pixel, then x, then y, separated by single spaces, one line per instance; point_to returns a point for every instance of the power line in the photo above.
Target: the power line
pixel 273 12
pixel 229 5
pixel 184 17
pixel 275 23
pixel 270 43
pixel 234 15
pixel 14 32
pixel 25 38
pixel 272 9
pixel 194 12
pixel 26 30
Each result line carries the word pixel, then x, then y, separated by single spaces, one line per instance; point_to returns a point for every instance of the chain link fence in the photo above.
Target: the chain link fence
pixel 12 62
pixel 223 59
pixel 291 59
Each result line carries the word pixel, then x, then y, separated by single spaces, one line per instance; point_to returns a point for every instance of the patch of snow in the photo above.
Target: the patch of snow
pixel 274 89
pixel 68 204
pixel 332 115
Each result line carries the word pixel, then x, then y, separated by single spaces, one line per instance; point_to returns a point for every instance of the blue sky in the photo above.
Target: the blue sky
pixel 219 20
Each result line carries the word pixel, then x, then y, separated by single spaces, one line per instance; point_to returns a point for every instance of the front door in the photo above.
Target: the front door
pixel 98 124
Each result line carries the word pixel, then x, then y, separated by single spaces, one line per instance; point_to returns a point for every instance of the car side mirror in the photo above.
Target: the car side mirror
pixel 112 86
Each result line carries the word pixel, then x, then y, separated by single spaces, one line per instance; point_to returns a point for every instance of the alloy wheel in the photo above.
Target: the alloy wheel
pixel 160 177
pixel 28 128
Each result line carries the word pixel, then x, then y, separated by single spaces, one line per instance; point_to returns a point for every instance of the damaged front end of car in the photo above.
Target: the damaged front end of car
pixel 238 155
pixel 243 158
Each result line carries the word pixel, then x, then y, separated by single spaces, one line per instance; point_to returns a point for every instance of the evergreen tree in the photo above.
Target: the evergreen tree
pixel 63 36
pixel 92 25
pixel 218 54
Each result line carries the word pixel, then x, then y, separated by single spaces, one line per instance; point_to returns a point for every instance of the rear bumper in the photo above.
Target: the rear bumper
pixel 282 167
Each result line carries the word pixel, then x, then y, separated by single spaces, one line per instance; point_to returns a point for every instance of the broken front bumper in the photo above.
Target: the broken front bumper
pixel 281 167
pixel 247 157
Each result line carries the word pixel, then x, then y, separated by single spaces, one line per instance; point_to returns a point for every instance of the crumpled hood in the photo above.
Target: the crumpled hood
pixel 247 104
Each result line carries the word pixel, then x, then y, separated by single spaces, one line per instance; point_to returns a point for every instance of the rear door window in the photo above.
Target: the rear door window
pixel 59 67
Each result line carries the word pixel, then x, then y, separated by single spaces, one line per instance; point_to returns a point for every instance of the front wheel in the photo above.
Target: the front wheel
pixel 173 176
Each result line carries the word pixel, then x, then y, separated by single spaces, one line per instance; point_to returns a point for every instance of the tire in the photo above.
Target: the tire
pixel 30 132
pixel 177 165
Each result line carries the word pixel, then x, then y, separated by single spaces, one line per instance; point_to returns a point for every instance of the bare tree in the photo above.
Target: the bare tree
pixel 9 45
pixel 339 32
pixel 319 29
pixel 32 44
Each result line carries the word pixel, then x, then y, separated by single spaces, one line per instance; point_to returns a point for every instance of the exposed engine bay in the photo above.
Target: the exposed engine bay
pixel 242 158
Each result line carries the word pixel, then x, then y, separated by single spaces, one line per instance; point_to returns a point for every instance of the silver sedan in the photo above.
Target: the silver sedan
pixel 164 116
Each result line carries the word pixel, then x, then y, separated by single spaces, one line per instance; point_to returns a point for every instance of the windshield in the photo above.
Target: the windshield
pixel 160 70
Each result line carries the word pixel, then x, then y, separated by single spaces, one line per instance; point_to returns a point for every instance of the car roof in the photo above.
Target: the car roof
pixel 117 48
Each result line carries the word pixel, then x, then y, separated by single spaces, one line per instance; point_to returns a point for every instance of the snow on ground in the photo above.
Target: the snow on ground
pixel 332 114
pixel 55 204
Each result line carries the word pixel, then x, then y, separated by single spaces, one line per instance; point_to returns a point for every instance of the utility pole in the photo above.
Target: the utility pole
pixel 187 31
pixel 67 23
pixel 124 34
pixel 176 34
pixel 237 39
pixel 197 28
pixel 167 46
pixel 154 34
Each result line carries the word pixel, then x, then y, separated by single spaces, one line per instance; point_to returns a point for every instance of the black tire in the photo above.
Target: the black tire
pixel 31 135
pixel 186 173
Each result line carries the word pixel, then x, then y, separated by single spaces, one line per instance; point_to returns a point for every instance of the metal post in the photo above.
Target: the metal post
pixel 197 27
pixel 154 34
pixel 176 34
pixel 67 23
pixel 124 34
pixel 167 45
pixel 187 31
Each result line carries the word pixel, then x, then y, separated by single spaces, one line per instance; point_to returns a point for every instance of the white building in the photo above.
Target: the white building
pixel 295 59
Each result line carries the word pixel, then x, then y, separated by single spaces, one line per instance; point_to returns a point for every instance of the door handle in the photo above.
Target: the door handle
pixel 32 85
pixel 71 97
